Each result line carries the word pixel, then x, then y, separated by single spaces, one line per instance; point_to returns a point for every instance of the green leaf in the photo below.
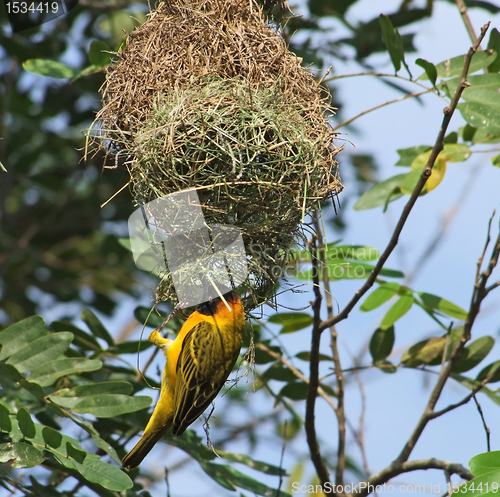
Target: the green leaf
pixel 102 444
pixel 41 351
pixel 231 478
pixel 52 437
pixel 98 53
pixel 473 354
pixel 496 160
pixel 468 133
pixel 215 472
pixel 397 311
pixel 109 405
pixel 34 389
pixel 482 485
pixel 411 180
pixel 424 352
pixel 429 68
pixel 381 343
pixel 473 384
pixel 481 116
pixel 338 270
pixel 442 305
pixel 492 369
pixel 451 68
pixel 97 471
pixel 9 372
pixel 455 152
pixel 279 372
pixel 95 326
pixel 494 44
pixel 483 96
pixel 262 357
pixel 149 318
pixel 306 356
pixel 292 321
pixel 296 390
pixel 380 194
pixel 105 387
pixel 385 366
pixel 130 347
pixel 418 165
pixel 16 336
pixel 25 423
pixel 451 138
pixel 48 373
pixel 50 68
pixel 263 467
pixel 488 81
pixel 485 463
pixel 5 422
pixel 380 296
pixel 20 455
pixel 390 41
pixel 408 155
pixel 125 243
pixel 82 338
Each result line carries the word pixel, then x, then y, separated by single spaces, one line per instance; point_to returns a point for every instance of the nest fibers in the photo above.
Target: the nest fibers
pixel 206 95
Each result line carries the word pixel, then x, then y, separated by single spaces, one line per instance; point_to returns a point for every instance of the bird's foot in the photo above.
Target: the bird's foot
pixel 159 341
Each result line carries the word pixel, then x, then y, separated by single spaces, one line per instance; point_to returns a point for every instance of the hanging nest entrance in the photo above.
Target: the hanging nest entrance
pixel 206 95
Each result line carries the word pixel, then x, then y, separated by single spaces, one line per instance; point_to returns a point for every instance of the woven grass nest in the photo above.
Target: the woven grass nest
pixel 205 94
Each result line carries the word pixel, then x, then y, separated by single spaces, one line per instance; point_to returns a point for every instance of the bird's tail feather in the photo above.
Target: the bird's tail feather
pixel 142 448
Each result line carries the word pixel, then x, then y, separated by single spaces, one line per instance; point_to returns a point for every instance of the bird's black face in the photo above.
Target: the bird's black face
pixel 209 308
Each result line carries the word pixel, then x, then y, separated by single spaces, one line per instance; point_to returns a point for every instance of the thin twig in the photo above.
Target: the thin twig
pixel 360 433
pixel 281 460
pixel 397 468
pixel 377 74
pixel 312 441
pixel 438 146
pixel 340 411
pixel 399 99
pixel 468 24
pixel 486 429
pixel 492 287
pixel 465 400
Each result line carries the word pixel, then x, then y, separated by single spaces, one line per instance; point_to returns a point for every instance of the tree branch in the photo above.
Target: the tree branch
pixel 478 295
pixel 465 400
pixel 340 411
pixel 399 99
pixel 397 468
pixel 438 146
pixel 486 429
pixel 468 24
pixel 310 428
pixel 401 463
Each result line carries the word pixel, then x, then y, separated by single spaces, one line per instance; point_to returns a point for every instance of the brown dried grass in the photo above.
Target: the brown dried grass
pixel 206 94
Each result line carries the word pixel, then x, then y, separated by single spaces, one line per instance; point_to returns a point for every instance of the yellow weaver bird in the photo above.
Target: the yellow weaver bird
pixel 199 361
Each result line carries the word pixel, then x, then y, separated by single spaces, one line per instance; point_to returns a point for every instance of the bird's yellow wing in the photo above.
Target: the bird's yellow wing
pixel 205 362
